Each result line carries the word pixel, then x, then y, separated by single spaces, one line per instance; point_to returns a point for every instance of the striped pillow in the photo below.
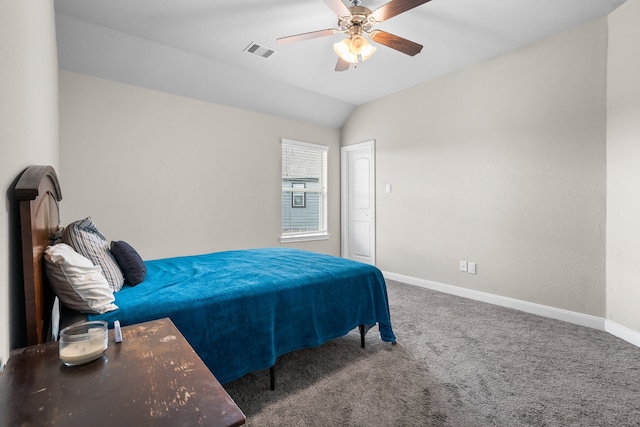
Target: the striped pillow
pixel 86 239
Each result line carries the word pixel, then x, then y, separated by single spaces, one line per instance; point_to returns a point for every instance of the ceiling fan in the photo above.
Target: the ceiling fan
pixel 358 21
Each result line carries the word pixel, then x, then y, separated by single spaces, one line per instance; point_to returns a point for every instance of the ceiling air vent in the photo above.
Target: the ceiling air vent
pixel 261 51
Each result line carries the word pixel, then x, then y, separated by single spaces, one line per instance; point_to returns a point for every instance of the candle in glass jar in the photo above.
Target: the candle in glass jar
pixel 82 352
pixel 83 342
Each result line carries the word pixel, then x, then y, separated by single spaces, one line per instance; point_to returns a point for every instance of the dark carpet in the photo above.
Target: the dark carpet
pixel 458 363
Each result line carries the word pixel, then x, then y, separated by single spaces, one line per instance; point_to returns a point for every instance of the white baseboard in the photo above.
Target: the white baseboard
pixel 589 321
pixel 622 332
pixel 528 307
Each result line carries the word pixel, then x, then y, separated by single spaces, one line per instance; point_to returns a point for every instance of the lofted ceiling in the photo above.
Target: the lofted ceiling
pixel 196 48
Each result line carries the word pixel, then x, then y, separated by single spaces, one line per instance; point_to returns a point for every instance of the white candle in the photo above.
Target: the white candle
pixel 82 352
pixel 83 342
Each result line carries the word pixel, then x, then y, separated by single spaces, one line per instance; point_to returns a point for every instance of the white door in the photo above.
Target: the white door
pixel 358 202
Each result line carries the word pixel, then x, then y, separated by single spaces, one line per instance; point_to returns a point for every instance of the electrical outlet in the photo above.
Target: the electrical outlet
pixel 471 267
pixel 463 266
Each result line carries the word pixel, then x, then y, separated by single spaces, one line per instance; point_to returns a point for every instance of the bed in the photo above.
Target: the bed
pixel 240 310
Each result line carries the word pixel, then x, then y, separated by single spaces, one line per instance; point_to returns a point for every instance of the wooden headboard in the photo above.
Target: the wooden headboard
pixel 38 193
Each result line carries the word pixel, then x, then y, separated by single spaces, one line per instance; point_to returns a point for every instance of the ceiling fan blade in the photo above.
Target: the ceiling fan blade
pixel 342 65
pixel 338 7
pixel 395 42
pixel 307 36
pixel 394 7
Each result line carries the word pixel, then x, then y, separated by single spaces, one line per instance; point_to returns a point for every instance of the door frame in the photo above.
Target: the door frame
pixel 344 196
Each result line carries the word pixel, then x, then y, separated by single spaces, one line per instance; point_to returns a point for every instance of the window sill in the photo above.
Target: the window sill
pixel 304 237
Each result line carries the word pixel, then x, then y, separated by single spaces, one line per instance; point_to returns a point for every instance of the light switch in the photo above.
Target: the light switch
pixel 388 188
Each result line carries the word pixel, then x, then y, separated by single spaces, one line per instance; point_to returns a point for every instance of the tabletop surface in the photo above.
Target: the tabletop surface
pixel 152 378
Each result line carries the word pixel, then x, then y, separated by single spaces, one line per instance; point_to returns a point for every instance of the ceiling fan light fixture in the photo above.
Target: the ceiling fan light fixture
pixel 354 49
pixel 357 21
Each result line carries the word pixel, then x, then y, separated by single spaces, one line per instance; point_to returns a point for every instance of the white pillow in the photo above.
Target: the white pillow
pixel 78 283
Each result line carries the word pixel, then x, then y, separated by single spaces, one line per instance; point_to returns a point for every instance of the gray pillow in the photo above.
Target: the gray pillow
pixel 86 239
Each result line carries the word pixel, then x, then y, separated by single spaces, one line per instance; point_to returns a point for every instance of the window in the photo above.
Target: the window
pixel 304 191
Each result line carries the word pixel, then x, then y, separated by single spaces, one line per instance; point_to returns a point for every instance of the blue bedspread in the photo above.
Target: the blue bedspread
pixel 240 310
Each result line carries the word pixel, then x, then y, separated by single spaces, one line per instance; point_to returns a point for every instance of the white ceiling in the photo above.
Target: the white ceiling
pixel 196 48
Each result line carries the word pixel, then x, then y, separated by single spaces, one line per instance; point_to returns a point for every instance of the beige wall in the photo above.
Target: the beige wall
pixel 176 176
pixel 623 167
pixel 28 135
pixel 502 164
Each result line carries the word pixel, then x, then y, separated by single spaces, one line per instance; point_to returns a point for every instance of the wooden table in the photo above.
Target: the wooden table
pixel 152 378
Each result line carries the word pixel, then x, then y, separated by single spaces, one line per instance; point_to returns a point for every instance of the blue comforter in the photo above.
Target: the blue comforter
pixel 240 310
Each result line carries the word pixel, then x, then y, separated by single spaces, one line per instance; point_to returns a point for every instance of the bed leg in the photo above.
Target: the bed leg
pixel 272 375
pixel 362 333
